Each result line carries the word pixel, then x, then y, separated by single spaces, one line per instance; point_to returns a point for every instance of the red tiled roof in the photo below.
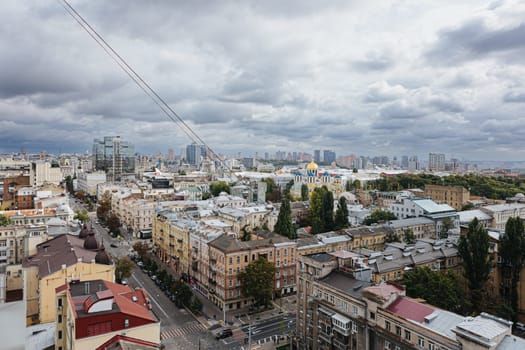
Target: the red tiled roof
pixel 123 299
pixel 410 309
pixel 119 339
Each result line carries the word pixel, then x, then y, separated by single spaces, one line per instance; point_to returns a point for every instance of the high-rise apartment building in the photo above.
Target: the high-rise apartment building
pixel 328 156
pixel 195 153
pixel 114 156
pixel 436 161
pixel 317 155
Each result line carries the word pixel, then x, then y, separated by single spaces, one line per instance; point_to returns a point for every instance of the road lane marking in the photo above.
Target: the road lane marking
pixel 151 297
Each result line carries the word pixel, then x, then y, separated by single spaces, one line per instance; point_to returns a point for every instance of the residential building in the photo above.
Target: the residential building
pixel 63 258
pixel 371 237
pixel 138 215
pixel 199 252
pixel 421 227
pixel 195 153
pixel 455 196
pixel 44 172
pixel 88 182
pixel 39 216
pixel 92 313
pixel 417 207
pixel 337 311
pixel 466 217
pixel 328 156
pixel 436 162
pixel 114 156
pixel 500 213
pixel 17 242
pixel 228 256
pixel 171 237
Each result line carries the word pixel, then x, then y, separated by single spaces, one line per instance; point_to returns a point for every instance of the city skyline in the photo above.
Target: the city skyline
pixel 352 78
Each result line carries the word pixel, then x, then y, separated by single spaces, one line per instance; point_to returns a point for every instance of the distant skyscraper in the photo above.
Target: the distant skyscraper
pixel 114 156
pixel 413 163
pixel 404 162
pixel 317 155
pixel 171 155
pixel 328 156
pixel 436 161
pixel 195 153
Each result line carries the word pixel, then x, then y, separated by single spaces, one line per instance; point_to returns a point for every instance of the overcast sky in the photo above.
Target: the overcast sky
pixel 361 77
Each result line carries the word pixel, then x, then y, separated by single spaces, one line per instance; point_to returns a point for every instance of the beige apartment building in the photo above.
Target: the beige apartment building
pixel 455 196
pixel 171 237
pixel 64 258
pixel 228 256
pixel 137 214
pixel 336 311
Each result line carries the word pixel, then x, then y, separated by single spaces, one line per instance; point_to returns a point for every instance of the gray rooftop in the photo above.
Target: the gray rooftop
pixel 345 283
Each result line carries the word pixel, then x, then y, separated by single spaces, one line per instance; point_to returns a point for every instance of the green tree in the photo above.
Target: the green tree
pixel 287 189
pixel 141 248
pixel 511 249
pixel 408 236
pixel 379 215
pixel 219 186
pixel 446 225
pixel 123 268
pixel 468 206
pixel 392 237
pixel 257 281
pixel 474 250
pixel 113 223
pixel 327 210
pixel 104 207
pixel 196 304
pixel 314 211
pixel 69 184
pixel 273 194
pixel 284 225
pixel 354 170
pixel 440 289
pixel 81 215
pixel 341 214
pixel 182 293
pixel 356 184
pixel 304 192
pixel 5 221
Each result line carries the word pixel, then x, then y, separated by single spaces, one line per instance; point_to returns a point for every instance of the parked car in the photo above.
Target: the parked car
pixel 214 326
pixel 225 333
pixel 113 245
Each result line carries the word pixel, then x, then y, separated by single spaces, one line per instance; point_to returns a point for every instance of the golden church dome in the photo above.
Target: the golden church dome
pixel 312 166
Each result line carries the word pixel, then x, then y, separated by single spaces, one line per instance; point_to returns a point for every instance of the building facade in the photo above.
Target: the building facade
pixel 114 156
pixel 455 196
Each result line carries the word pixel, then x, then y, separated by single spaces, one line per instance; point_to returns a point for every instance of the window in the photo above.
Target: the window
pixel 354 310
pixel 59 318
pixel 372 315
pixel 230 271
pixel 278 253
pixel 398 330
pixel 407 335
pixel 271 253
pixel 231 260
pixel 285 252
pixel 59 334
pixel 60 302
pixel 246 258
pixel 387 345
pixel 387 326
pixel 238 259
pixel 431 346
pixel 354 327
pixel 421 342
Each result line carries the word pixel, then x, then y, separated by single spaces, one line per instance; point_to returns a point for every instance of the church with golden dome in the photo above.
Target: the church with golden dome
pixel 313 178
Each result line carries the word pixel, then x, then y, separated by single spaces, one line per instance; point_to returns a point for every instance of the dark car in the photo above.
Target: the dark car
pixel 113 245
pixel 225 333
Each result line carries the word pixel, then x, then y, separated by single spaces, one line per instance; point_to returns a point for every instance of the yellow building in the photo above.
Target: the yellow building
pixel 62 259
pixel 313 179
pixel 171 237
pixel 455 196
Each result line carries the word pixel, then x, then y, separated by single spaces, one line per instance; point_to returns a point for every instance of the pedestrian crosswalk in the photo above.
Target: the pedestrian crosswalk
pixel 194 327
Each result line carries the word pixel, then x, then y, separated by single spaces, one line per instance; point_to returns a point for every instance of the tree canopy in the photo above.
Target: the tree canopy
pixel 440 289
pixel 81 215
pixel 304 192
pixel 104 207
pixel 219 186
pixel 321 211
pixel 512 252
pixel 4 220
pixel 379 215
pixel 257 281
pixel 341 214
pixel 474 250
pixel 123 268
pixel 284 225
pixel 489 187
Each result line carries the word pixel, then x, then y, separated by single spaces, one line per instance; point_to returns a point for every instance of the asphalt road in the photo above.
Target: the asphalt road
pixel 267 330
